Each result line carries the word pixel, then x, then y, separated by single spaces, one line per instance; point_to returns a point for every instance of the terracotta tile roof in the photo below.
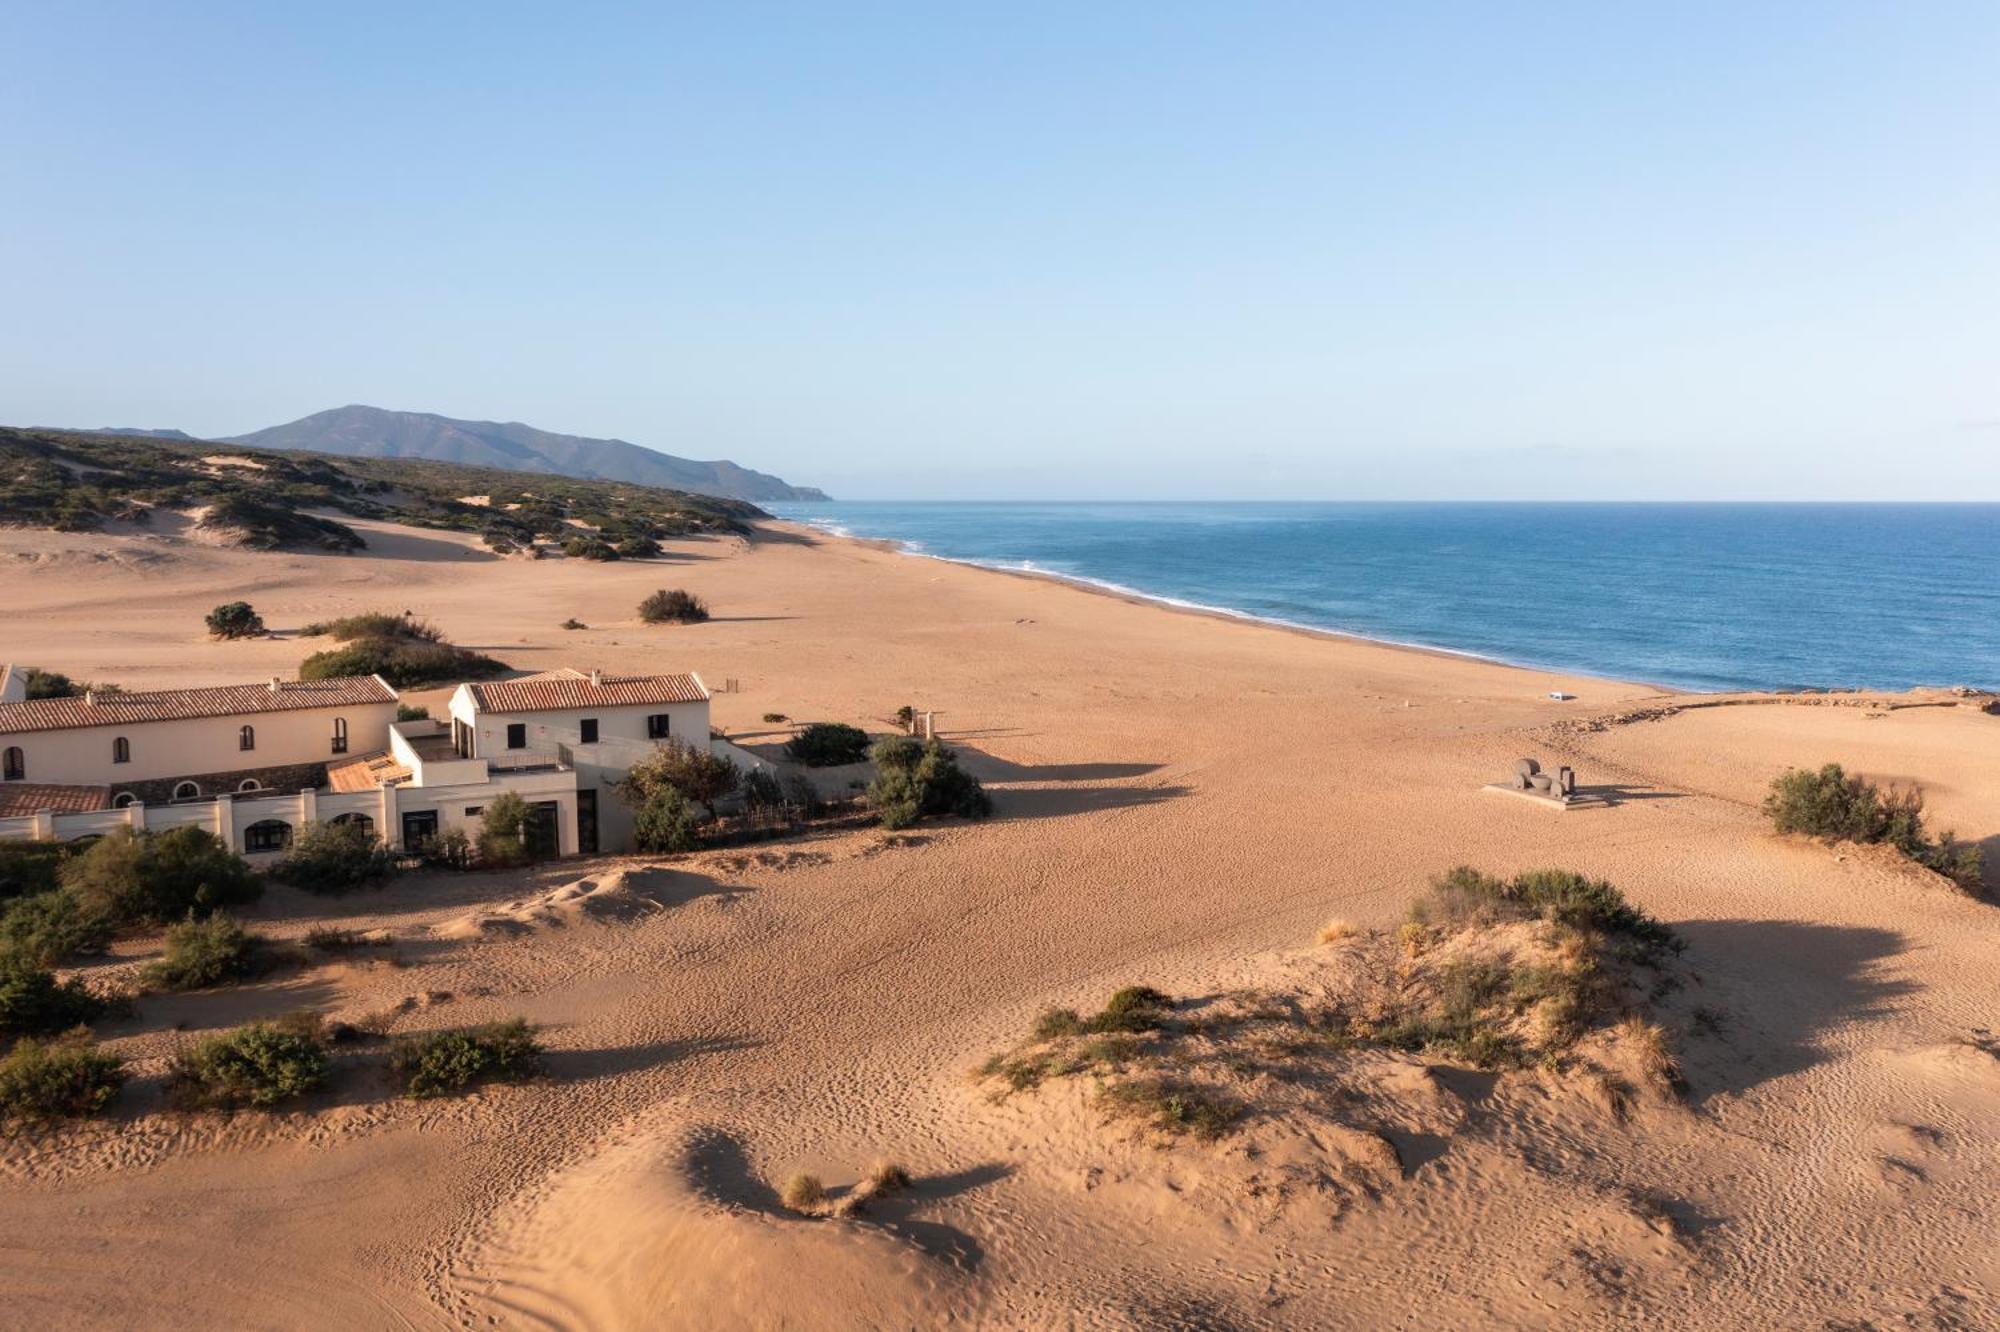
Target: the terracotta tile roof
pixel 573 689
pixel 242 700
pixel 366 772
pixel 19 798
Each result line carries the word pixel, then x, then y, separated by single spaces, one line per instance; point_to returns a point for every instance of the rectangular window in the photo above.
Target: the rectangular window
pixel 657 726
pixel 589 725
pixel 517 735
pixel 472 811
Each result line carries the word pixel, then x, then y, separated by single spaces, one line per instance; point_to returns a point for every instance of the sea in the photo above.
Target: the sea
pixel 1711 597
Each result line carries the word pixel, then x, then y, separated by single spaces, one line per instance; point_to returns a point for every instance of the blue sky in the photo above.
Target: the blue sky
pixel 1152 250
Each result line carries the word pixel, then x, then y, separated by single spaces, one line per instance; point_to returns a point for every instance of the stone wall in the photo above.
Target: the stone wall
pixel 286 777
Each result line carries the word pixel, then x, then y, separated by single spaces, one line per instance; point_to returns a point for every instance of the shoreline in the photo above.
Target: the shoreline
pixel 1135 597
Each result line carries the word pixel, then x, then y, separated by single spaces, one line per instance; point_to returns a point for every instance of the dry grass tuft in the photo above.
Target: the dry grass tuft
pixel 804 1194
pixel 1336 930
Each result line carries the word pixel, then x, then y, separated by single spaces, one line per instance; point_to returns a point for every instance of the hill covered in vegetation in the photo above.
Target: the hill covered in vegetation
pixel 77 481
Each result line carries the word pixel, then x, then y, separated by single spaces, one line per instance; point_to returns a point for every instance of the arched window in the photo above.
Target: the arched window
pixel 121 750
pixel 361 821
pixel 186 791
pixel 13 765
pixel 267 835
pixel 122 799
pixel 247 738
pixel 340 735
pixel 249 784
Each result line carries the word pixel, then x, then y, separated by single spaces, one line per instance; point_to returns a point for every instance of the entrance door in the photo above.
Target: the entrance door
pixel 542 835
pixel 586 822
pixel 420 826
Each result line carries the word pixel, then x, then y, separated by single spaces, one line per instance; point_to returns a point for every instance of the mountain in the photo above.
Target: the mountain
pixel 372 432
pixel 144 434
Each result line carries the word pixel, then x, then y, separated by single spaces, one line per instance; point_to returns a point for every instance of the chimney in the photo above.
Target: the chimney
pixel 277 683
pixel 89 697
pixel 596 676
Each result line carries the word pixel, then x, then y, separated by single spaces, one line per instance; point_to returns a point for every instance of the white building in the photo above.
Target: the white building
pixel 332 751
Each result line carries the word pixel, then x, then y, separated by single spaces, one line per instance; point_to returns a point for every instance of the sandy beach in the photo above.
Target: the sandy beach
pixel 1182 800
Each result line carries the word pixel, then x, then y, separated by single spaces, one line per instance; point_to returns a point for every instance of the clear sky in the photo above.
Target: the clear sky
pixel 1101 250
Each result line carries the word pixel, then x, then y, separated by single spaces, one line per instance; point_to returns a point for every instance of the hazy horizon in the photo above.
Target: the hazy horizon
pixel 1269 253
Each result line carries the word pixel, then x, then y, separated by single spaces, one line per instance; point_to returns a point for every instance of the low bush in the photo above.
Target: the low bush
pixel 906 717
pixel 1832 804
pixel 406 665
pixel 503 831
pixel 1562 896
pixel 334 939
pixel 234 619
pixel 573 623
pixel 666 823
pixel 129 877
pixel 775 718
pixel 50 928
pixel 412 712
pixel 335 858
pixel 437 1063
pixel 673 606
pixel 1172 1107
pixel 828 745
pixel 68 1077
pixel 638 548
pixel 589 548
pixel 915 781
pixel 259 1066
pixel 450 848
pixel 699 775
pixel 202 953
pixel 34 1003
pixel 29 868
pixel 761 790
pixel 401 625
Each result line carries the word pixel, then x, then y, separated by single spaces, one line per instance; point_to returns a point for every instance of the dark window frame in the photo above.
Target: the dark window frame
pixel 257 838
pixel 246 738
pixel 14 764
pixel 517 735
pixel 588 729
pixel 659 726
pixel 340 735
pixel 121 750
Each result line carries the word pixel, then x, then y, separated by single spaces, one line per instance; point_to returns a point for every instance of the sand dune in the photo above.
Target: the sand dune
pixel 1182 801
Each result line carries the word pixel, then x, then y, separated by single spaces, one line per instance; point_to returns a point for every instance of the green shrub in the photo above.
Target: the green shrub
pixel 29 868
pixel 761 790
pixel 915 780
pixel 50 928
pixel 264 525
pixel 201 953
pixel 259 1066
pixel 235 619
pixel 906 717
pixel 130 877
pixel 666 823
pixel 412 712
pixel 34 1003
pixel 503 831
pixel 1829 803
pixel 775 718
pixel 68 1077
pixel 828 745
pixel 437 1063
pixel 335 858
pixel 698 774
pixel 1055 1022
pixel 404 664
pixel 1562 896
pixel 450 848
pixel 638 548
pixel 589 548
pixel 573 623
pixel 673 606
pixel 1172 1107
pixel 400 625
pixel 1134 1008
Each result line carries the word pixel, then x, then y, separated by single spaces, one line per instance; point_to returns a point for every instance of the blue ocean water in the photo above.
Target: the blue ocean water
pixel 1699 596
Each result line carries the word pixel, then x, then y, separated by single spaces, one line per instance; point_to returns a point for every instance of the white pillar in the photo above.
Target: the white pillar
pixel 308 806
pixel 135 816
pixel 225 820
pixel 45 825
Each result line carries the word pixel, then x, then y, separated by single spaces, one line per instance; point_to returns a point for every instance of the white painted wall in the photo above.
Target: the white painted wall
pixel 162 749
pixel 546 730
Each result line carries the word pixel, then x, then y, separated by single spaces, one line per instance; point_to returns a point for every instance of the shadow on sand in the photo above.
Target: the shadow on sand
pixel 1809 980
